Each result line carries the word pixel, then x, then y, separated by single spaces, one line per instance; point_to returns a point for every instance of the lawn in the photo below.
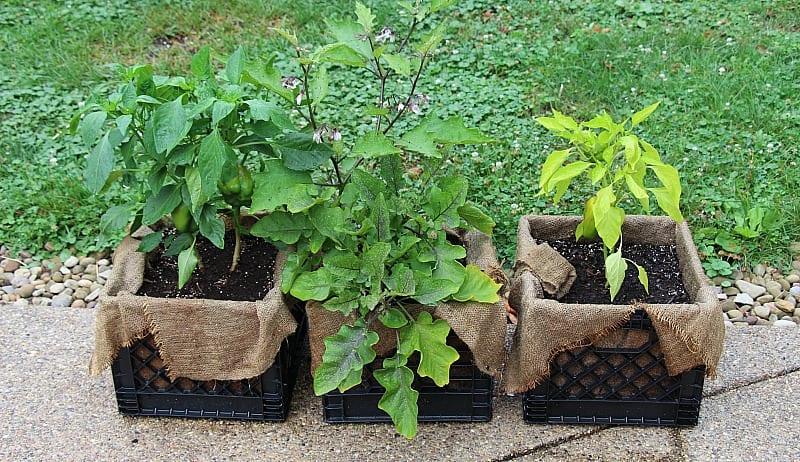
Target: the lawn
pixel 727 75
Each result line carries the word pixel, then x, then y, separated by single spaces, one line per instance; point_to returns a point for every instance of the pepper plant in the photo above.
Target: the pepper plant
pixel 616 163
pixel 185 145
pixel 367 212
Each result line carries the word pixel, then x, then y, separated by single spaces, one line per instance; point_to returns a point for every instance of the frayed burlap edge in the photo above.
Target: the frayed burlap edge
pixel 200 339
pixel 481 326
pixel 690 334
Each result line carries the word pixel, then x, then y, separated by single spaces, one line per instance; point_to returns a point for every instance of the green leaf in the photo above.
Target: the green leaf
pixel 454 131
pixel 369 187
pixel 187 262
pixel 194 183
pixel 365 17
pixel 268 111
pixel 345 302
pixel 398 63
pixel 343 263
pixel 615 272
pixel 597 173
pixel 214 154
pixel 372 145
pixel 212 226
pixel 170 126
pixel 566 173
pixel 283 227
pixel 273 187
pixel 373 262
pixel 265 75
pixel 393 318
pixel 300 152
pixel 437 5
pixel 381 219
pixel 314 285
pixel 429 337
pixel 640 116
pixel 115 218
pixel 319 87
pixel 220 110
pixel 608 218
pixel 401 282
pixel 348 31
pixel 430 40
pixel 99 165
pixel 391 170
pixel 643 278
pixel 476 218
pixel 201 64
pixel 150 242
pixel 345 353
pixel 420 140
pixel 431 291
pixel 558 123
pixel 338 53
pixel 235 66
pixel 161 204
pixel 328 221
pixel 91 125
pixel 477 287
pixel 668 202
pixel 552 164
pixel 399 400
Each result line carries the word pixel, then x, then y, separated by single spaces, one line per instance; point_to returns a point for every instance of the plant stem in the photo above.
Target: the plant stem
pixel 410 94
pixel 237 248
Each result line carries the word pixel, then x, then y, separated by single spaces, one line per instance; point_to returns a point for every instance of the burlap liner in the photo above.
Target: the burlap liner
pixel 481 326
pixel 690 335
pixel 199 339
pixel 552 270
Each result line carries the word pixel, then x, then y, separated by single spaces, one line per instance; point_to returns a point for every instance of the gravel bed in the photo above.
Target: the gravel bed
pixel 762 296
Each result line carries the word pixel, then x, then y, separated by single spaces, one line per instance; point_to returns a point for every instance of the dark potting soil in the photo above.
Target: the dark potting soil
pixel 660 262
pixel 250 282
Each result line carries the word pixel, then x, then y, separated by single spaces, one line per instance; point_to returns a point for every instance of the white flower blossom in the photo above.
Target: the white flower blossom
pixel 291 82
pixel 385 35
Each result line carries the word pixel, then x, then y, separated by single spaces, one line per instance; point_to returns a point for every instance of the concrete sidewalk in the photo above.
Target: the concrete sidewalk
pixel 52 410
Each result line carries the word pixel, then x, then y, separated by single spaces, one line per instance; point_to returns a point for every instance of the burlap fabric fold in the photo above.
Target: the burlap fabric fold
pixel 690 334
pixel 481 326
pixel 552 270
pixel 199 339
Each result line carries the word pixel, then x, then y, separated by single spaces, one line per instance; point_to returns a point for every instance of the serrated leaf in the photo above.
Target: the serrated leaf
pixel 420 140
pixel 429 337
pixel 265 75
pixel 314 285
pixel 640 116
pixel 430 40
pixel 478 287
pixel 347 351
pixel 349 32
pixel 615 272
pixel 319 87
pixel 282 227
pixel 437 5
pixel 150 242
pixel 454 131
pixel 300 152
pixel 372 145
pixel 476 218
pixel 399 400
pixel 187 262
pixel 170 125
pixel 365 17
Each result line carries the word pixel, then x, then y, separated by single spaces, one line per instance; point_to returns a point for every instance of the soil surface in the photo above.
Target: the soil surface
pixel 660 262
pixel 250 282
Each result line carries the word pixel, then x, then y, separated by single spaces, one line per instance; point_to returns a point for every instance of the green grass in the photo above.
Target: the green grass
pixel 727 73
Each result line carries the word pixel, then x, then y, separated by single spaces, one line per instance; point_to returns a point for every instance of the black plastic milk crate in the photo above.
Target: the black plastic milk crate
pixel 467 398
pixel 142 386
pixel 621 379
